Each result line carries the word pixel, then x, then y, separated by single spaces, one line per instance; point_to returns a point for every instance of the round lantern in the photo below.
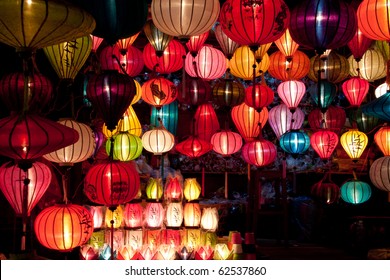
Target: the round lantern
pixel 111 183
pixel 167 114
pixel 191 189
pixel 323 93
pixel 370 67
pixel 158 40
pixel 324 142
pixel 323 24
pixel 227 45
pixel 226 142
pixel 158 140
pixel 326 191
pixel 284 70
pixel 111 94
pixel 195 43
pixel 206 121
pixel 359 44
pixel 173 188
pixel 126 146
pixel 209 220
pixel 110 58
pixel 193 147
pixel 154 215
pixel 133 215
pixel 158 92
pixel 287 45
pixel 63 227
pixel 247 119
pixel 355 191
pixel 291 92
pixel 381 90
pixel 171 59
pixel 208 64
pixel 383 48
pixel 228 92
pixel 114 218
pixel 354 143
pixel 23 189
pixel 259 96
pixel 364 122
pixel 281 119
pixel 12 92
pixel 192 214
pixel 380 173
pixel 174 214
pixel 243 61
pixel 382 140
pixel 254 23
pixel 294 142
pixel 332 119
pixel 375 29
pixel 194 91
pixel 260 152
pixel 132 62
pixel 77 152
pixel 97 213
pixel 184 19
pixel 154 188
pixel 355 90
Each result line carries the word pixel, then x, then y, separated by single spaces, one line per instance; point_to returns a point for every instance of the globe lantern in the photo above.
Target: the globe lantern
pixel 157 39
pixel 287 45
pixel 374 9
pixel 114 217
pixel 154 215
pixel 382 140
pixel 154 188
pixel 110 58
pixel 191 189
pixel 158 140
pixel 259 96
pixel 364 122
pixel 243 61
pixel 355 90
pixel 63 227
pixel 206 121
pixel 354 143
pixel 193 147
pixel 332 119
pixel 228 92
pixel 281 119
pixel 126 146
pixel 355 191
pixel 284 70
pixel 174 215
pixel 294 142
pixel 326 190
pixel 132 62
pixel 380 173
pixel 158 92
pixel 173 188
pixel 183 19
pixel 226 142
pixel 324 142
pixel 111 183
pixel 133 215
pixel 192 214
pixel 194 91
pixel 77 152
pixel 254 23
pixel 227 45
pixel 323 93
pixel 291 92
pixel 359 44
pixel 370 67
pixel 209 220
pixel 167 114
pixel 260 152
pixel 195 43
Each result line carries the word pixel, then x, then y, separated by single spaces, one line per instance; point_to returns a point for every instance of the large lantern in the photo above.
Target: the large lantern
pixel 191 189
pixel 324 142
pixel 355 191
pixel 294 142
pixel 194 91
pixel 378 107
pixel 375 29
pixel 382 140
pixel 284 70
pixel 63 227
pixel 206 121
pixel 291 92
pixel 174 214
pixel 260 152
pixel 158 92
pixel 226 142
pixel 281 119
pixel 354 142
pixel 192 214
pixel 133 215
pixel 355 90
pixel 209 220
pixel 380 173
pixel 158 140
pixel 332 119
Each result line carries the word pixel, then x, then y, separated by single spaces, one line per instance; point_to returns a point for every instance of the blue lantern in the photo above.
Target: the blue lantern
pixel 294 142
pixel 168 114
pixel 355 191
pixel 379 107
pixel 323 93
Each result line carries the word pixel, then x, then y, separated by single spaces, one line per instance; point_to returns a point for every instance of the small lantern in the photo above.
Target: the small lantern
pixel 154 215
pixel 281 119
pixel 326 190
pixel 192 189
pixel 294 142
pixel 222 252
pixel 258 96
pixel 173 188
pixel 260 152
pixel 204 253
pixel 97 213
pixel 206 121
pixel 158 39
pixel 174 214
pixel 126 253
pixel 125 43
pixel 192 214
pixel 355 191
pixel 209 220
pixel 154 188
pixel 134 238
pixel 380 173
pixel 355 90
pixel 382 140
pixel 193 147
pixel 354 142
pixel 172 237
pixel 133 215
pixel 126 146
pixel 324 142
pixel 114 217
pixel 226 142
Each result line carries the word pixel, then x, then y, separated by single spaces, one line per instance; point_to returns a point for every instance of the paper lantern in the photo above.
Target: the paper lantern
pixel 208 64
pixel 77 152
pixel 281 119
pixel 184 19
pixel 323 24
pixel 12 94
pixel 97 213
pixel 194 91
pixel 382 140
pixel 204 253
pixel 254 23
pixel 222 252
pixel 167 114
pixel 173 188
pixel 158 92
pixel 195 43
pixel 242 62
pixel 111 183
pixel 326 191
pixel 227 45
pixel 228 92
pixel 87 252
pixel 154 215
pixel 287 45
pixel 260 152
pixel 354 143
pixel 209 220
pixel 114 218
pixel 355 90
pixel 374 29
pixel 96 42
pixel 132 62
pixel 125 43
pixel 154 188
pixel 126 146
pixel 284 70
pixel 206 121
pixel 258 96
pixel 174 214
pixel 111 94
pixel 191 189
pixel 380 173
pixel 247 119
pixel 63 227
pixel 332 119
pixel 226 142
pixel 24 188
pixel 36 24
pixel 192 214
pixel 359 44
pixel 133 215
pixel 355 191
pixel 323 93
pixel 370 67
pixel 110 58
pixel 324 142
pixel 158 140
pixel 193 147
pixel 157 39
pixel 294 142
pixel 291 92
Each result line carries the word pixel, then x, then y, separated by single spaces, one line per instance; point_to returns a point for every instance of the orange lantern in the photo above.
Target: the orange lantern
pixel 226 142
pixel 191 189
pixel 206 121
pixel 285 70
pixel 125 43
pixel 355 90
pixel 158 92
pixel 354 142
pixel 243 61
pixel 377 29
pixel 192 214
pixel 291 92
pixel 174 214
pixel 382 140
pixel 324 142
pixel 63 227
pixel 287 45
pixel 154 215
pixel 209 220
pixel 133 215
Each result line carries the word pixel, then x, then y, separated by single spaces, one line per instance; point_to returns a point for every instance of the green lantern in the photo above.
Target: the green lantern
pixel 154 188
pixel 127 146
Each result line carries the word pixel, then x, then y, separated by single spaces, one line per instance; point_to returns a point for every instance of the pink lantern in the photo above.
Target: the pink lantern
pixel 355 90
pixel 206 121
pixel 282 120
pixel 324 142
pixel 226 142
pixel 109 58
pixel 154 215
pixel 133 215
pixel 291 92
pixel 132 61
pixel 260 152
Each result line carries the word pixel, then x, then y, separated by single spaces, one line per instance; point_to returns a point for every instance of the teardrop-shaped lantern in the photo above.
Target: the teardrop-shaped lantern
pixel 158 92
pixel 191 189
pixel 126 146
pixel 294 142
pixel 193 147
pixel 157 39
pixel 324 142
pixel 158 140
pixel 210 218
pixel 323 93
pixel 332 119
pixel 195 43
pixel 355 90
pixel 167 114
pixel 226 142
pixel 354 143
pixel 380 173
pixel 382 140
pixel 259 96
pixel 154 188
pixel 228 92
pixel 359 44
pixel 206 121
pixel 284 70
pixel 242 62
pixel 375 29
pixel 227 45
pixel 96 42
pixel 130 122
pixel 287 45
pixel 196 91
pixel 281 119
pixel 355 191
pixel 291 92
pixel 260 152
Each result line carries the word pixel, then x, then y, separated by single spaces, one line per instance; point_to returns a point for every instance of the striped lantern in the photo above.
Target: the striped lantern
pixel 228 92
pixel 283 70
pixel 355 191
pixel 377 29
pixel 323 93
pixel 158 92
pixel 287 45
pixel 195 43
pixel 359 44
pixel 371 67
pixel 227 45
pixel 355 90
pixel 243 61
pixel 281 119
pixel 259 96
pixel 380 173
pixel 326 191
pixel 193 147
pixel 125 43
pixel 132 61
pixel 158 140
pixel 194 91
pixel 332 119
pixel 226 142
pixel 324 142
pixel 206 121
pixel 291 92
pixel 382 140
pixel 294 142
pixel 260 152
pixel 126 146
pixel 158 39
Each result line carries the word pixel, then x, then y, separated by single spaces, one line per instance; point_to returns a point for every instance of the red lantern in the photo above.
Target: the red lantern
pixel 109 58
pixel 173 188
pixel 132 61
pixel 332 119
pixel 196 91
pixel 258 96
pixel 111 183
pixel 324 142
pixel 281 119
pixel 63 227
pixel 355 90
pixel 291 92
pixel 158 92
pixel 193 147
pixel 228 46
pixel 325 190
pixel 260 152
pixel 133 215
pixel 196 43
pixel 382 140
pixel 283 70
pixel 206 121
pixel 359 44
pixel 226 142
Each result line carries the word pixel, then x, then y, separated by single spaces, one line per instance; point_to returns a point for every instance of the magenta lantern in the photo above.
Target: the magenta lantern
pixel 194 92
pixel 109 58
pixel 226 142
pixel 355 90
pixel 260 152
pixel 324 142
pixel 359 44
pixel 206 121
pixel 258 96
pixel 332 119
pixel 291 92
pixel 281 119
pixel 159 92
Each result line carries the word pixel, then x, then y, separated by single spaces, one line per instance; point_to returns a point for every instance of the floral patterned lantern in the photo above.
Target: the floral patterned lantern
pixel 260 152
pixel 228 46
pixel 291 92
pixel 97 213
pixel 196 42
pixel 154 215
pixel 226 142
pixel 324 142
pixel 174 214
pixel 380 173
pixel 133 215
pixel 258 96
pixel 354 143
pixel 158 92
pixel 192 215
pixel 355 191
pixel 283 70
pixel 206 121
pixel 355 90
pixel 382 140
pixel 194 91
pixel 209 220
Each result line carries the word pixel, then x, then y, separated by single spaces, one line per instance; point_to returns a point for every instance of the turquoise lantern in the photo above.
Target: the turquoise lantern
pixel 355 191
pixel 323 93
pixel 168 114
pixel 294 142
pixel 379 107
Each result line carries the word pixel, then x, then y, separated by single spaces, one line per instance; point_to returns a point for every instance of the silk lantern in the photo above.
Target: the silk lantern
pixel 226 142
pixel 378 107
pixel 96 42
pixel 332 119
pixel 158 92
pixel 294 142
pixel 126 146
pixel 157 39
pixel 173 190
pixel 174 214
pixel 323 93
pixel 206 122
pixel 195 43
pixel 193 147
pixel 258 96
pixel 381 90
pixel 192 215
pixel 111 183
pixel 326 190
pixel 191 189
pixel 133 215
pixel 324 142
pixel 354 143
pixel 291 92
pixel 168 115
pixel 284 70
pixel 209 220
pixel 355 90
pixel 132 62
pixel 370 67
pixel 110 58
pixel 374 29
pixel 227 45
pixel 382 140
pixel 260 152
pixel 154 188
pixel 193 92
pixel 114 217
pixel 158 140
pixel 364 122
pixel 243 61
pixel 287 45
pixel 281 119
pixel 63 227
pixel 154 215
pixel 380 173
pixel 355 191
pixel 359 44
pixel 228 92
pixel 125 43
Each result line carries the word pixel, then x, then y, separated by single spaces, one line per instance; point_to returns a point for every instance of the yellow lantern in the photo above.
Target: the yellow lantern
pixel 222 252
pixel 241 64
pixel 192 214
pixel 192 238
pixel 174 214
pixel 138 92
pixel 354 142
pixel 128 123
pixel 114 215
pixel 209 220
pixel 154 188
pixel 191 189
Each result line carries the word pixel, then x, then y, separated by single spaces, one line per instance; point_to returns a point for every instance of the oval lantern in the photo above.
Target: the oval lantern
pixel 206 121
pixel 371 67
pixel 260 152
pixel 174 214
pixel 167 114
pixel 126 146
pixel 374 29
pixel 111 183
pixel 259 96
pixel 63 227
pixel 154 215
pixel 382 140
pixel 354 142
pixel 243 61
pixel 191 189
pixel 194 91
pixel 380 173
pixel 158 92
pixel 130 122
pixel 281 119
pixel 132 62
pixel 226 142
pixel 326 191
pixel 192 214
pixel 324 142
pixel 355 90
pixel 133 215
pixel 323 93
pixel 195 43
pixel 294 142
pixel 284 70
pixel 355 191
pixel 158 140
pixel 291 92
pixel 332 119
pixel 227 45
pixel 228 92
pixel 193 147
pixel 209 220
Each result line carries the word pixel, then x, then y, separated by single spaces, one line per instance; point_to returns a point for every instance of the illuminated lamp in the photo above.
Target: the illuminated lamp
pixel 355 191
pixel 76 152
pixel 63 227
pixel 196 91
pixel 158 40
pixel 206 121
pixel 114 217
pixel 208 64
pixel 260 152
pixel 133 215
pixel 364 122
pixel 332 119
pixel 382 140
pixel 193 147
pixel 96 42
pixel 374 29
pixel 173 190
pixel 167 114
pixel 287 45
pixel 324 142
pixel 97 213
pixel 281 119
pixel 378 107
pixel 294 142
pixel 359 44
pixel 355 90
pixel 125 43
pixel 111 183
pixel 354 143
pixel 158 92
pixel 228 92
pixel 154 188
pixel 132 62
pixel 226 142
pixel 192 214
pixel 127 253
pixel 154 215
pixel 227 45
pixel 323 93
pixel 381 90
pixel 130 122
pixel 195 43
pixel 174 214
pixel 284 70
pixel 243 61
pixel 383 48
pixel 138 93
pixel 380 173
pixel 204 253
pixel 87 252
pixel 126 146
pixel 326 191
pixel 222 252
pixel 170 60
pixel 291 92
pixel 247 119
pixel 258 96
pixel 110 58
pixel 209 220
pixel 165 252
pixel 370 67
pixel 191 189
pixel 158 140
pixel 184 19
pixel 262 51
